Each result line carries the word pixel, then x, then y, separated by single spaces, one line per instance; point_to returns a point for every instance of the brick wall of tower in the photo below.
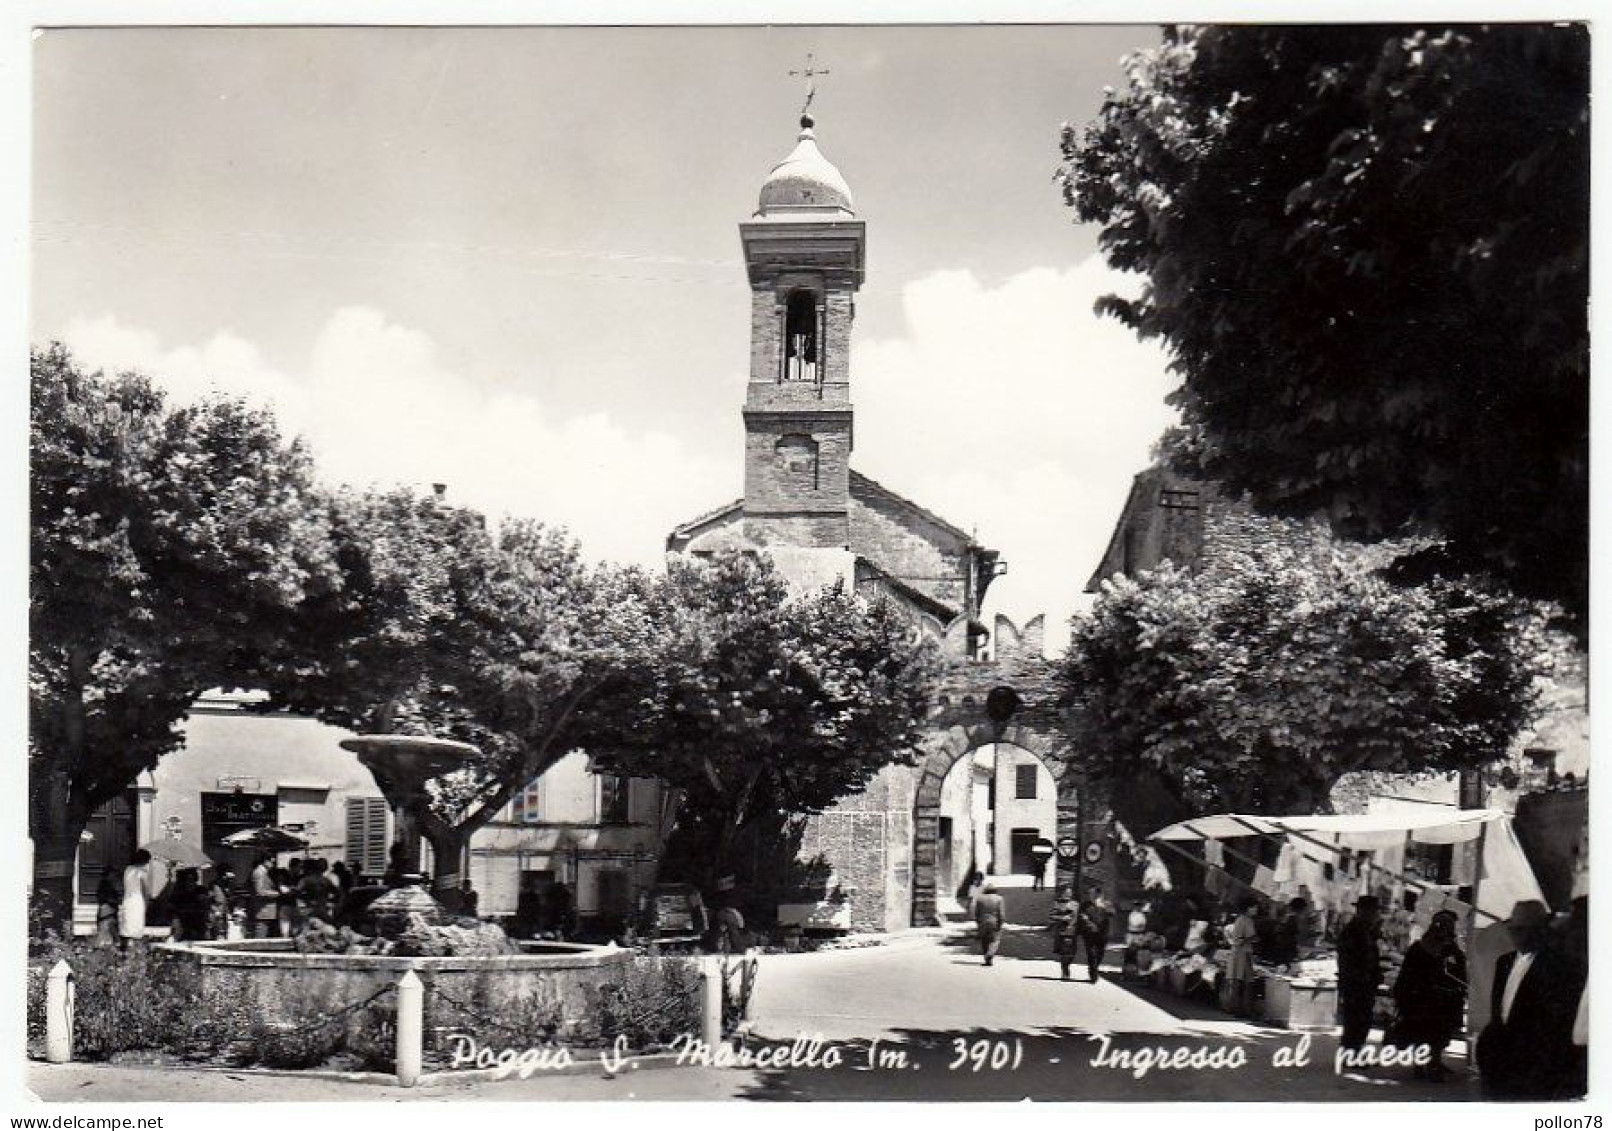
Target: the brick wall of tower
pixel 837 341
pixel 765 331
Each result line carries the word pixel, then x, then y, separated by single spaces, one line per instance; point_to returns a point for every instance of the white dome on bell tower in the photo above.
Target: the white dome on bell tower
pixel 805 182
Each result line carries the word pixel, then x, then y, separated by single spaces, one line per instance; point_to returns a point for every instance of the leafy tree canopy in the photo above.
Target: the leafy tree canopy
pixel 1366 250
pixel 167 549
pixel 1254 685
pixel 762 703
pixel 440 627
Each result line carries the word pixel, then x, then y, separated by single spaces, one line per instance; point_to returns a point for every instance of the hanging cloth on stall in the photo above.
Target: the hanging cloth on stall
pixel 1286 864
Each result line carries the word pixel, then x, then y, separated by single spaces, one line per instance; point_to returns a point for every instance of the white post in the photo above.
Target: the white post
pixel 59 1013
pixel 711 1003
pixel 410 1028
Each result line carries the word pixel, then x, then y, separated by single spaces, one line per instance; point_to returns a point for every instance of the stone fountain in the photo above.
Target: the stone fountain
pixel 402 764
pixel 269 972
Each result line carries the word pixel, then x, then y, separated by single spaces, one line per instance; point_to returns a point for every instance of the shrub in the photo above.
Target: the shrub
pixel 122 1001
pixel 655 1000
pixel 526 1022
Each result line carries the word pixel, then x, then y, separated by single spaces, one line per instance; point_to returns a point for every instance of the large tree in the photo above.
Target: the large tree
pixel 1366 250
pixel 168 548
pixel 441 627
pixel 764 704
pixel 1288 662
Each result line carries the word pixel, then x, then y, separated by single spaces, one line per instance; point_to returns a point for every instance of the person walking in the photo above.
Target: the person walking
pixel 1526 1051
pixel 137 885
pixel 1240 965
pixel 1064 922
pixel 1096 920
pixel 989 913
pixel 1041 851
pixel 1430 995
pixel 1359 972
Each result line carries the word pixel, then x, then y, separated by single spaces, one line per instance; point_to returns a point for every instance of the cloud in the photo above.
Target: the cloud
pixel 1014 410
pixel 378 405
pixel 1008 408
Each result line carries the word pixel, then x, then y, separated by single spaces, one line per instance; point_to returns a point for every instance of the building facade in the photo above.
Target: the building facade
pixel 598 834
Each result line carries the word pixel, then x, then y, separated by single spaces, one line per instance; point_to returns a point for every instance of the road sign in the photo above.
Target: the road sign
pixel 1068 846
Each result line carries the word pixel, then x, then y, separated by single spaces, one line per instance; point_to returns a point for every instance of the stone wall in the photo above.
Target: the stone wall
pixel 866 839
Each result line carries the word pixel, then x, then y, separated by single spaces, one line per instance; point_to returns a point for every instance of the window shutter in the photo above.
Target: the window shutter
pixel 366 834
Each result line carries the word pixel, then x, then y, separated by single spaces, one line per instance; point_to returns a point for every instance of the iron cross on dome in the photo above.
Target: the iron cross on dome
pixel 811 87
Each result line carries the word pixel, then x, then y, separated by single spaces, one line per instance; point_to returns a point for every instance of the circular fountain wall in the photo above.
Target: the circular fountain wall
pixel 276 979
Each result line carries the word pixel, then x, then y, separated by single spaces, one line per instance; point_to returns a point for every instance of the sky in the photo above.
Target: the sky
pixel 508 260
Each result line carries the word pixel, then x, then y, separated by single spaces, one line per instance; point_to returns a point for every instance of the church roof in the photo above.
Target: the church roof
pixel 709 518
pixel 805 181
pixel 860 480
pixel 861 485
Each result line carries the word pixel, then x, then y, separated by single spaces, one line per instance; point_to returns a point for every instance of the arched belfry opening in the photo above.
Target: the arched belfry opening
pixel 802 341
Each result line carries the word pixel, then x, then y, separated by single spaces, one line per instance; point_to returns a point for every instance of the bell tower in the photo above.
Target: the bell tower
pixel 803 251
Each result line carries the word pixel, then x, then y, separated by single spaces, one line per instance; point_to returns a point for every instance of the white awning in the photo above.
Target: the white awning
pixel 1505 873
pixel 1347 830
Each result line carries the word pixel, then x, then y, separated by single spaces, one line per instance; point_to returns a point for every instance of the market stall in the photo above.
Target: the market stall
pixel 1416 863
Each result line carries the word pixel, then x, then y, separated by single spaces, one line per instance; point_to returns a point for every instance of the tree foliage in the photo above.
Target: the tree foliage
pixel 763 704
pixel 440 627
pixel 1254 685
pixel 167 549
pixel 1366 250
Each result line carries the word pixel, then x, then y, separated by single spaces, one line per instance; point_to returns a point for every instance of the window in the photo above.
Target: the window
pixel 612 799
pixel 800 337
pixel 1024 783
pixel 366 835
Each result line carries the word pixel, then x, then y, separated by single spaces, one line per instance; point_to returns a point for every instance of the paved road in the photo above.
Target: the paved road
pixel 918 997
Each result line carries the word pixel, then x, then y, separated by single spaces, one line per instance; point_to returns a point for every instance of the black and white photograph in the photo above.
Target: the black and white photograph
pixel 876 562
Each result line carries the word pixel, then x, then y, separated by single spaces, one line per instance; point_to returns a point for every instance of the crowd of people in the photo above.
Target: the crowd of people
pixel 275 901
pixel 1533 1045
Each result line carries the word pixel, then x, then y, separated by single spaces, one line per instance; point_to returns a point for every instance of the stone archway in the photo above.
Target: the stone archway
pixel 945 749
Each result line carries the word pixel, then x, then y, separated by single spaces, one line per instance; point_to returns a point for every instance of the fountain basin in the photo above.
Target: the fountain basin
pixel 278 981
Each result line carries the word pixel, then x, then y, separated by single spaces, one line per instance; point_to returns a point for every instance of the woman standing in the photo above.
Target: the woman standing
pixel 1240 967
pixel 1065 925
pixel 136 895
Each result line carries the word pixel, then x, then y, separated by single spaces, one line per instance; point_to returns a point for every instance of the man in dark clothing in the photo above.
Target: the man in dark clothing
pixel 1430 995
pixel 1359 972
pixel 1096 919
pixel 1526 1051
